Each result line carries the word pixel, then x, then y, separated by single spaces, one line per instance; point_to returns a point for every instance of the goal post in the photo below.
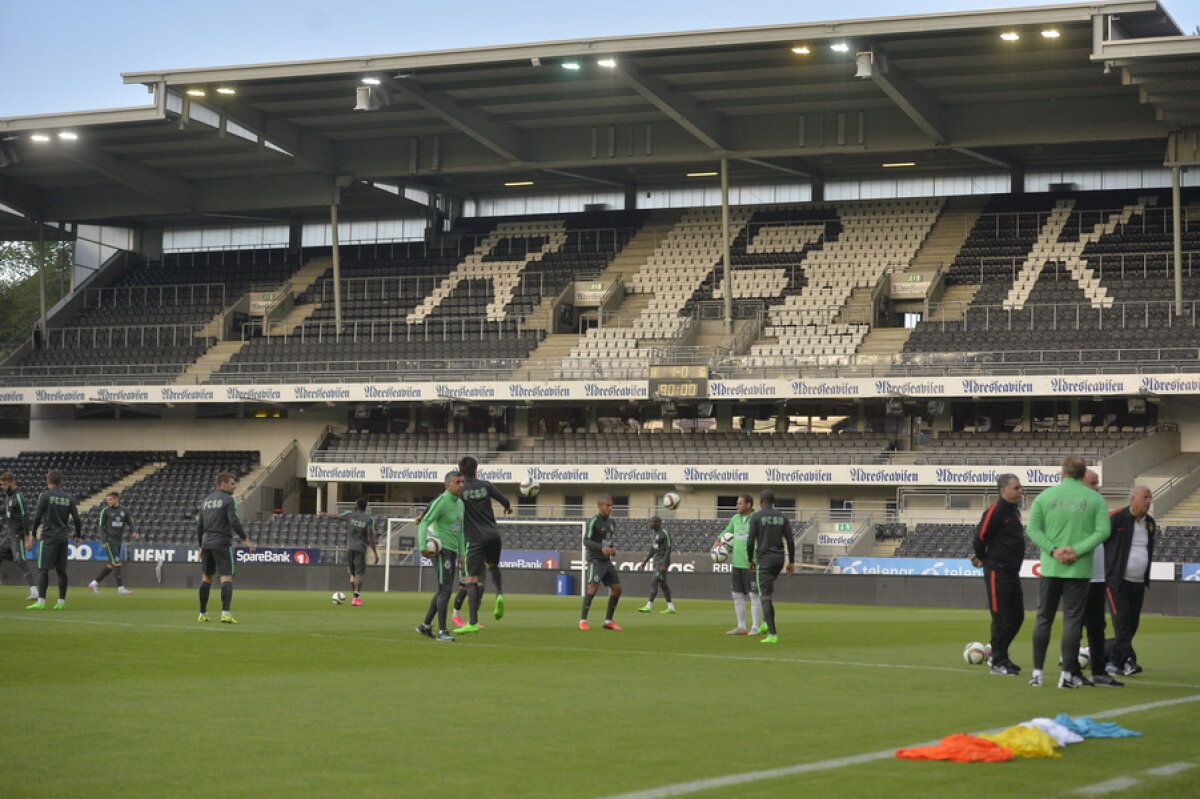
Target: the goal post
pixel 399 546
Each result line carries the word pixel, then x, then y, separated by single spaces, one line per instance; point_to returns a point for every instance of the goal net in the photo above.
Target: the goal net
pixel 524 540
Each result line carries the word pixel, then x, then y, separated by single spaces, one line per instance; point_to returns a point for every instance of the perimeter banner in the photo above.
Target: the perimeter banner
pixel 887 475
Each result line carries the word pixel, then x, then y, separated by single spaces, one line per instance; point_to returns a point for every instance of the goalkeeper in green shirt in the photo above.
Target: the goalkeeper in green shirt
pixel 742 576
pixel 443 521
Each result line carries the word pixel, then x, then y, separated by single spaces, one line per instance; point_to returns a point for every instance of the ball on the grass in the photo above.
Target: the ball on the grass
pixel 1085 658
pixel 974 653
pixel 719 555
pixel 671 500
pixel 338 597
pixel 529 487
pixel 432 547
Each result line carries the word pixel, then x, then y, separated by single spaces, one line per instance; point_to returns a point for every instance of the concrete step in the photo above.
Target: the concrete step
pixel 211 361
pixel 856 311
pixel 950 231
pixel 303 278
pixel 125 482
pixel 953 302
pixel 884 340
pixel 295 317
pixel 886 549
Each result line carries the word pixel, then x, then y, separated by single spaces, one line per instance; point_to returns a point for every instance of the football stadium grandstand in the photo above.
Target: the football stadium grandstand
pixel 873 268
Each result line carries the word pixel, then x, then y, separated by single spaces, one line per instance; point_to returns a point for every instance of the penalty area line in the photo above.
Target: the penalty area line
pixel 728 781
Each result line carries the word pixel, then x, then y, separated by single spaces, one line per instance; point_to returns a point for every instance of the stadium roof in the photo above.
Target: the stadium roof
pixel 1081 84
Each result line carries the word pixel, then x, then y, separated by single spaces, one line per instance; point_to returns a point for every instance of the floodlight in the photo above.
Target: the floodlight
pixel 40 138
pixel 196 92
pixel 702 174
pixel 369 81
pixel 1050 33
pixel 571 65
pixel 801 49
pixel 226 90
pixel 68 135
pixel 1010 36
pixel 840 47
pixel 866 64
pixel 519 183
pixel 899 163
pixel 607 63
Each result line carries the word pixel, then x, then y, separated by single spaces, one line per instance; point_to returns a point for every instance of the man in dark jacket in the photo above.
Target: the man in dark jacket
pixel 1127 558
pixel 999 544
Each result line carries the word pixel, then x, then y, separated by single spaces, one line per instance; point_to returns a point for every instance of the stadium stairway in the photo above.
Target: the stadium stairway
pixel 886 549
pixel 637 250
pixel 1185 511
pixel 949 233
pixel 884 341
pixel 95 500
pixel 954 302
pixel 211 362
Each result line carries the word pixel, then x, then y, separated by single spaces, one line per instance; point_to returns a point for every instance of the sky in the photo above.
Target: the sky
pixel 68 55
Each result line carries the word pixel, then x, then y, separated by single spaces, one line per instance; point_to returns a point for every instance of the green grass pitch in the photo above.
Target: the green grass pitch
pixel 129 696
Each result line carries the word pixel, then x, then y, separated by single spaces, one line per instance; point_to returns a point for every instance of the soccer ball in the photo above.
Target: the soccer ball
pixel 529 487
pixel 338 597
pixel 671 500
pixel 719 555
pixel 1085 658
pixel 727 540
pixel 975 653
pixel 432 547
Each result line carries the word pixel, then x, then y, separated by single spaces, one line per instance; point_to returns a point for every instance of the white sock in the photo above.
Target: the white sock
pixel 670 605
pixel 608 621
pixel 1037 672
pixel 739 608
pixel 756 613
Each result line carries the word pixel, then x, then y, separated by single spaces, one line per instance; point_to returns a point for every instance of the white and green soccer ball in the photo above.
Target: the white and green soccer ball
pixel 338 597
pixel 975 653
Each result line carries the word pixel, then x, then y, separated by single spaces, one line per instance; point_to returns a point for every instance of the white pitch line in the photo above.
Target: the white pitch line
pixel 1169 769
pixel 683 788
pixel 1108 786
pixel 476 644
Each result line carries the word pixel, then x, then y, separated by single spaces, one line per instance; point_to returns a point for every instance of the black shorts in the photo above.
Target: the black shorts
pixel 356 562
pixel 481 553
pixel 12 549
pixel 445 563
pixel 768 569
pixel 52 555
pixel 603 571
pixel 741 581
pixel 661 567
pixel 218 561
pixel 115 549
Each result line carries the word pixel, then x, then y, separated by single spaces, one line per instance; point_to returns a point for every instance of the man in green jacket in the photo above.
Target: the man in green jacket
pixel 1067 522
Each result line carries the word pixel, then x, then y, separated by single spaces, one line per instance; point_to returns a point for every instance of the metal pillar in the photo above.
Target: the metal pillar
pixel 42 280
pixel 728 280
pixel 337 268
pixel 1177 231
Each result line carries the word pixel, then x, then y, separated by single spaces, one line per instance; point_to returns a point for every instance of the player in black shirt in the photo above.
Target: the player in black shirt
pixel 216 524
pixel 601 545
pixel 55 510
pixel 999 544
pixel 770 533
pixel 660 550
pixel 113 524
pixel 360 535
pixel 483 544
pixel 14 540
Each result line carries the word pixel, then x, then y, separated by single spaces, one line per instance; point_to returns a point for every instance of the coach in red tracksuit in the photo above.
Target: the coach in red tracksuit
pixel 999 548
pixel 1127 557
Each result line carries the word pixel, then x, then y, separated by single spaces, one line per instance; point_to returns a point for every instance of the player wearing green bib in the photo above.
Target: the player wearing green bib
pixel 443 519
pixel 741 576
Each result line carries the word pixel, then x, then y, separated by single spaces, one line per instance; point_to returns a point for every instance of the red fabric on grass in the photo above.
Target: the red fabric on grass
pixel 959 748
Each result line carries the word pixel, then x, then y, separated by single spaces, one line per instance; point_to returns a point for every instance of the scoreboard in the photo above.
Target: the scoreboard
pixel 678 382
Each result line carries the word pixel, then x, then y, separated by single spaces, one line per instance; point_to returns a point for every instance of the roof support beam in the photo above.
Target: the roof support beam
pixel 705 125
pixel 173 192
pixel 993 159
pixel 309 150
pixel 501 138
pixel 804 172
pixel 908 97
pixel 577 176
pixel 20 196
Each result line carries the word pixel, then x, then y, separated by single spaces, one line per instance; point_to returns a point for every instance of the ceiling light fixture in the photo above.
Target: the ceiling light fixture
pixel 196 92
pixel 1050 33
pixel 371 81
pixel 570 65
pixel 607 63
pixel 226 90
pixel 40 138
pixel 801 49
pixel 1010 36
pixel 519 183
pixel 702 174
pixel 68 135
pixel 900 163
pixel 840 47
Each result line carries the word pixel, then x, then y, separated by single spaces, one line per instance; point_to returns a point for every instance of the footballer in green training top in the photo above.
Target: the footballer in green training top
pixel 742 582
pixel 443 520
pixel 360 536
